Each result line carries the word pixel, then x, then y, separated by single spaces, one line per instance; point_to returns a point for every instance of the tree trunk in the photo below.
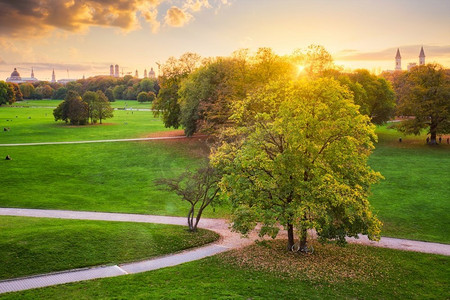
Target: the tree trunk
pixel 197 219
pixel 190 218
pixel 290 237
pixel 433 132
pixel 303 237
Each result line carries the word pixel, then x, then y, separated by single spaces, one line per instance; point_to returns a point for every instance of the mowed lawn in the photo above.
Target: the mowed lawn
pixel 115 177
pixel 266 271
pixel 38 245
pixel 413 200
pixel 27 125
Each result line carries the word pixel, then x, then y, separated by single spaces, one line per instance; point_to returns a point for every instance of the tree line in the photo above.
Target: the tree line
pixel 198 94
pixel 126 88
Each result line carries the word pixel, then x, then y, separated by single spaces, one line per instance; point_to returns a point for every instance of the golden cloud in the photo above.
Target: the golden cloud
pixel 28 18
pixel 176 17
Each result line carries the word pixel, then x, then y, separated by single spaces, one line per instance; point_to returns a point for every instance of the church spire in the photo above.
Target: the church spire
pixel 421 57
pixel 398 60
pixel 32 72
pixel 53 76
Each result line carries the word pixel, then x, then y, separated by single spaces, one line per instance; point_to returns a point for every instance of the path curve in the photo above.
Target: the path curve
pixel 99 141
pixel 228 240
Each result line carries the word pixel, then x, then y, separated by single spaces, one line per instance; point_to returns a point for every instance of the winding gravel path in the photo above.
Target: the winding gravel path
pixel 228 240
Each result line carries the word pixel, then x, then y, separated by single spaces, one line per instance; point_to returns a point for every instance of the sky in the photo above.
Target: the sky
pixel 84 37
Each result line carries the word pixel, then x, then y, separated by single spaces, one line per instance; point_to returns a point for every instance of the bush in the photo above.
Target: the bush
pixel 143 97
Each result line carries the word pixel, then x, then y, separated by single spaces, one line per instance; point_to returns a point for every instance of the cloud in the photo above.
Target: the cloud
pixel 177 17
pixel 197 5
pixel 35 18
pixel 407 52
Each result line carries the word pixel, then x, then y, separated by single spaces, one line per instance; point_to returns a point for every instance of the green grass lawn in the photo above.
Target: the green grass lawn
pixel 29 125
pixel 115 177
pixel 413 200
pixel 38 245
pixel 265 271
pixel 36 103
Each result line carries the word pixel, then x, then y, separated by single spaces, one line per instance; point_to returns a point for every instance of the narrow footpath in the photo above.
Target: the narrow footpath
pixel 228 240
pixel 99 141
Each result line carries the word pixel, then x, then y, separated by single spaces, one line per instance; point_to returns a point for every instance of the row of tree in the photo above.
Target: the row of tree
pixel 199 94
pixel 126 87
pixel 76 110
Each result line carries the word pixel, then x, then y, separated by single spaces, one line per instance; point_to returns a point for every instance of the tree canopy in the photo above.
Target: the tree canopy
pixel 426 98
pixel 374 95
pixel 297 156
pixel 99 107
pixel 199 96
pixel 72 110
pixel 173 72
pixel 6 93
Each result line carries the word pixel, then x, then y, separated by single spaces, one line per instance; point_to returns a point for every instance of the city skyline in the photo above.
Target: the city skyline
pixel 138 34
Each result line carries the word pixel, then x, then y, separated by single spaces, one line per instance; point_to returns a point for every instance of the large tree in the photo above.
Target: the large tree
pixel 6 93
pixel 298 157
pixel 99 107
pixel 426 98
pixel 90 98
pixel 102 108
pixel 18 96
pixel 73 109
pixel 27 90
pixel 173 72
pixel 207 94
pixel 376 98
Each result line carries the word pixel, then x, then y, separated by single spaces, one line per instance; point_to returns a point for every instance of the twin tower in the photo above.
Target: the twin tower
pixel 398 60
pixel 114 71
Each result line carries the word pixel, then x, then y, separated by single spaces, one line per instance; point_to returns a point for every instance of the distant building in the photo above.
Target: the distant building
pixel 145 73
pixel 411 65
pixel 116 71
pixel 66 81
pixel 421 57
pixel 53 76
pixel 16 78
pixel 111 70
pixel 398 60
pixel 151 74
pixel 136 74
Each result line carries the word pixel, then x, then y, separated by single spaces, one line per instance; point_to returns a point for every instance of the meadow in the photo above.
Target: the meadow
pixel 38 245
pixel 265 271
pixel 118 177
pixel 28 125
pixel 413 199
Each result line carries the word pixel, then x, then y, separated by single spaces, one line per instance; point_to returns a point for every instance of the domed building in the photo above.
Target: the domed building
pixel 15 77
pixel 151 74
